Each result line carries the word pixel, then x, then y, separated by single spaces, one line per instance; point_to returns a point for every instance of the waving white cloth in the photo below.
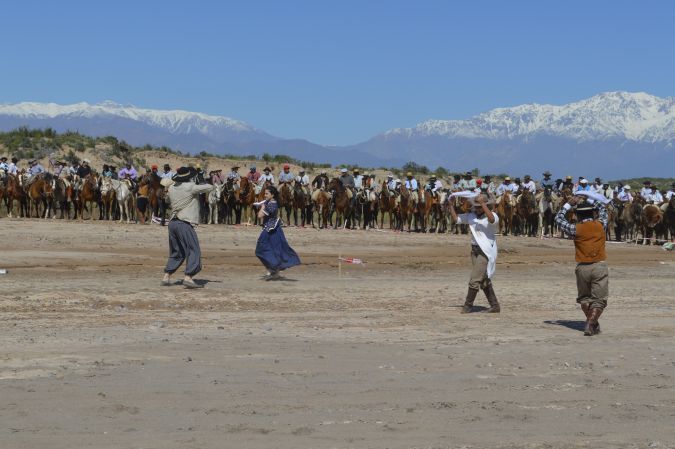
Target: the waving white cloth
pixel 465 194
pixel 594 196
pixel 483 233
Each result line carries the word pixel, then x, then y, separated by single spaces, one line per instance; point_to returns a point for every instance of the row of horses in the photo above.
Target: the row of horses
pixel 234 202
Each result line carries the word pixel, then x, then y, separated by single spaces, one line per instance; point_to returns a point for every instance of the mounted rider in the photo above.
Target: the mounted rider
pixel 434 186
pixel 654 197
pixel 488 186
pixel 412 187
pixel 468 183
pixel 166 172
pixel 4 169
pixel 319 184
pixel 267 176
pixel 303 181
pixel 547 182
pixel 583 186
pixel 129 174
pixel 566 184
pixel 347 181
pixel 253 175
pixel 646 190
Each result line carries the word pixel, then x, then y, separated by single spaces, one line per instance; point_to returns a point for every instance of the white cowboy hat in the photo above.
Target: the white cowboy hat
pixel 344 170
pixel 626 187
pixel 166 182
pixel 583 181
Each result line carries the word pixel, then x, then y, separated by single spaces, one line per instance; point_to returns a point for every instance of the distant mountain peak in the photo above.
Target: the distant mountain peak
pixel 635 116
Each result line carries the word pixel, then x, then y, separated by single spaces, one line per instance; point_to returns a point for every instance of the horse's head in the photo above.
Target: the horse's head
pixel 548 192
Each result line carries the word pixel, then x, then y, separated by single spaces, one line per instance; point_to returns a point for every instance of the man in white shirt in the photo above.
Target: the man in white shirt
pixel 411 185
pixel 267 176
pixel 529 184
pixel 646 190
pixel 358 179
pixel 391 184
pixel 654 197
pixel 303 180
pixel 484 226
pixel 671 192
pixel 624 195
pixel 506 185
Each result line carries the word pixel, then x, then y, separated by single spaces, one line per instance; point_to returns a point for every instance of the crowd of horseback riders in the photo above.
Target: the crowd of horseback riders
pixel 347 199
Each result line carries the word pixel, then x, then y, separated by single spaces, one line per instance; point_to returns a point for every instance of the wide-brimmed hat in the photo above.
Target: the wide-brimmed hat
pixel 235 167
pixel 583 181
pixel 568 177
pixel 302 170
pixel 267 169
pixel 3 158
pixel 468 174
pixel 390 175
pixel 547 173
pixel 356 170
pixel 343 170
pixel 252 168
pixel 647 182
pixel 598 180
pixel 584 205
pixel 527 177
pixel 323 171
pixel 409 174
pixel 626 187
pixel 184 174
pixel 166 182
pixel 508 178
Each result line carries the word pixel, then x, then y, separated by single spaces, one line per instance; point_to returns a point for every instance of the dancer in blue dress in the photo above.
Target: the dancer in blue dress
pixel 272 248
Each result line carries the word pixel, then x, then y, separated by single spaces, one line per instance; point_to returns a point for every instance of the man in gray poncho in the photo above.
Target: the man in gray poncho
pixel 183 196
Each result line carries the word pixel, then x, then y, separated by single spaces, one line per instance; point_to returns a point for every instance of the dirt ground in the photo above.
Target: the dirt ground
pixel 96 354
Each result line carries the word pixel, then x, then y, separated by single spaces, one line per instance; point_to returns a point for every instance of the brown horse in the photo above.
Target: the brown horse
pixel 669 219
pixel 323 205
pixel 652 216
pixel 430 211
pixel 285 201
pixel 15 191
pixel 343 204
pixel 63 196
pixel 505 212
pixel 406 208
pixel 527 213
pixel 387 204
pixel 108 199
pixel 301 202
pixel 41 191
pixel 156 194
pixel 88 194
pixel 247 198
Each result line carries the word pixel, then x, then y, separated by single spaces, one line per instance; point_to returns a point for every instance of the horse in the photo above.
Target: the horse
pixel 230 202
pixel 548 204
pixel 156 194
pixel 652 216
pixel 63 195
pixel 88 194
pixel 526 211
pixel 300 202
pixel 107 198
pixel 430 211
pixel 15 191
pixel 669 219
pixel 41 191
pixel 407 208
pixel 214 200
pixel 247 197
pixel 367 203
pixel 387 204
pixel 285 201
pixel 323 208
pixel 505 210
pixel 342 202
pixel 125 198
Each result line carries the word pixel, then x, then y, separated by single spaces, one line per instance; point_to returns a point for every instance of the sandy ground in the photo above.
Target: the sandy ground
pixel 96 355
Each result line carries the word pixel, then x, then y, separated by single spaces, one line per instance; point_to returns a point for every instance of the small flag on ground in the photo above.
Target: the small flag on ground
pixel 350 260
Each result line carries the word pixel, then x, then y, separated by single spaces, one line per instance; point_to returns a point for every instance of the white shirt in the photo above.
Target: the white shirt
pixel 391 185
pixel 625 196
pixel 645 192
pixel 531 186
pixel 168 174
pixel 12 168
pixel 655 196
pixel 4 166
pixel 303 180
pixel 669 194
pixel 411 184
pixel 483 234
pixel 264 178
pixel 511 187
pixel 358 181
pixel 437 185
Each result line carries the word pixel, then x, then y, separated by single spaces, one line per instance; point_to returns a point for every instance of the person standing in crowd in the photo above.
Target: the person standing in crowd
pixel 183 196
pixel 484 226
pixel 591 272
pixel 272 247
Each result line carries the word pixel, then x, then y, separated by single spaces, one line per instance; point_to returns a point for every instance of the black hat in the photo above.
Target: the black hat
pixel 3 158
pixel 167 166
pixel 547 173
pixel 584 206
pixel 486 177
pixel 184 174
pixel 468 174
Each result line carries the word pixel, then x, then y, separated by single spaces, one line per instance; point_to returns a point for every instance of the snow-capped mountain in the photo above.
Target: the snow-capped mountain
pixel 616 134
pixel 101 117
pixel 631 116
pixel 611 134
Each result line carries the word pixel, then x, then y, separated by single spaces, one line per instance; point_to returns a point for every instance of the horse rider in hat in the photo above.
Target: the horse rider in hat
pixel 184 196
pixel 547 182
pixel 592 274
pixel 484 225
pixel 286 176
pixel 468 183
pixel 266 177
pixel 319 184
pixel 303 181
pixel 253 175
pixel 4 169
pixel 646 190
pixel 412 187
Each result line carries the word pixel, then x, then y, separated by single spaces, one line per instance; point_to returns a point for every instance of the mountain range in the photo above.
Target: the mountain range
pixel 613 134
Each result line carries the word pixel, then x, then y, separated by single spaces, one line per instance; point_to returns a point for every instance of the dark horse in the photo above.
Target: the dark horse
pixel 343 204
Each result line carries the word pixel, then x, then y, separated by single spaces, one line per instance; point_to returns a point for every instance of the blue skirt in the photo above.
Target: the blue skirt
pixel 274 252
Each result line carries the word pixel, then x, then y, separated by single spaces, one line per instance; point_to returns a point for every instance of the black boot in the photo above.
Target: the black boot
pixel 470 298
pixel 492 299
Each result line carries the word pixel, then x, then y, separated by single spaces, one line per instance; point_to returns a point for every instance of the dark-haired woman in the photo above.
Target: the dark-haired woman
pixel 272 248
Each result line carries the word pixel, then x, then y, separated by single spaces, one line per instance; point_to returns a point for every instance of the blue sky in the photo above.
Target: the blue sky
pixel 334 72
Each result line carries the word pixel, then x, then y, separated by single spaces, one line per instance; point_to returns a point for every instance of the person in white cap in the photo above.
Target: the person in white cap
pixel 654 196
pixel 671 192
pixel 583 185
pixel 391 184
pixel 303 180
pixel 624 195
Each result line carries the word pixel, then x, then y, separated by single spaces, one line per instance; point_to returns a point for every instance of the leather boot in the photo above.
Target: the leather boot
pixel 470 298
pixel 492 299
pixel 595 314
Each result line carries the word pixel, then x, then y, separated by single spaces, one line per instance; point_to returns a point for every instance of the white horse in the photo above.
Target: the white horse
pixel 548 205
pixel 214 200
pixel 123 195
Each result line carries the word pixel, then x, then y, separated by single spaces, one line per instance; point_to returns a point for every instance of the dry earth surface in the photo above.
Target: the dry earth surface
pixel 97 355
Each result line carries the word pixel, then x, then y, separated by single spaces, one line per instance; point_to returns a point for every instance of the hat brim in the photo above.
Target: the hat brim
pixel 192 172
